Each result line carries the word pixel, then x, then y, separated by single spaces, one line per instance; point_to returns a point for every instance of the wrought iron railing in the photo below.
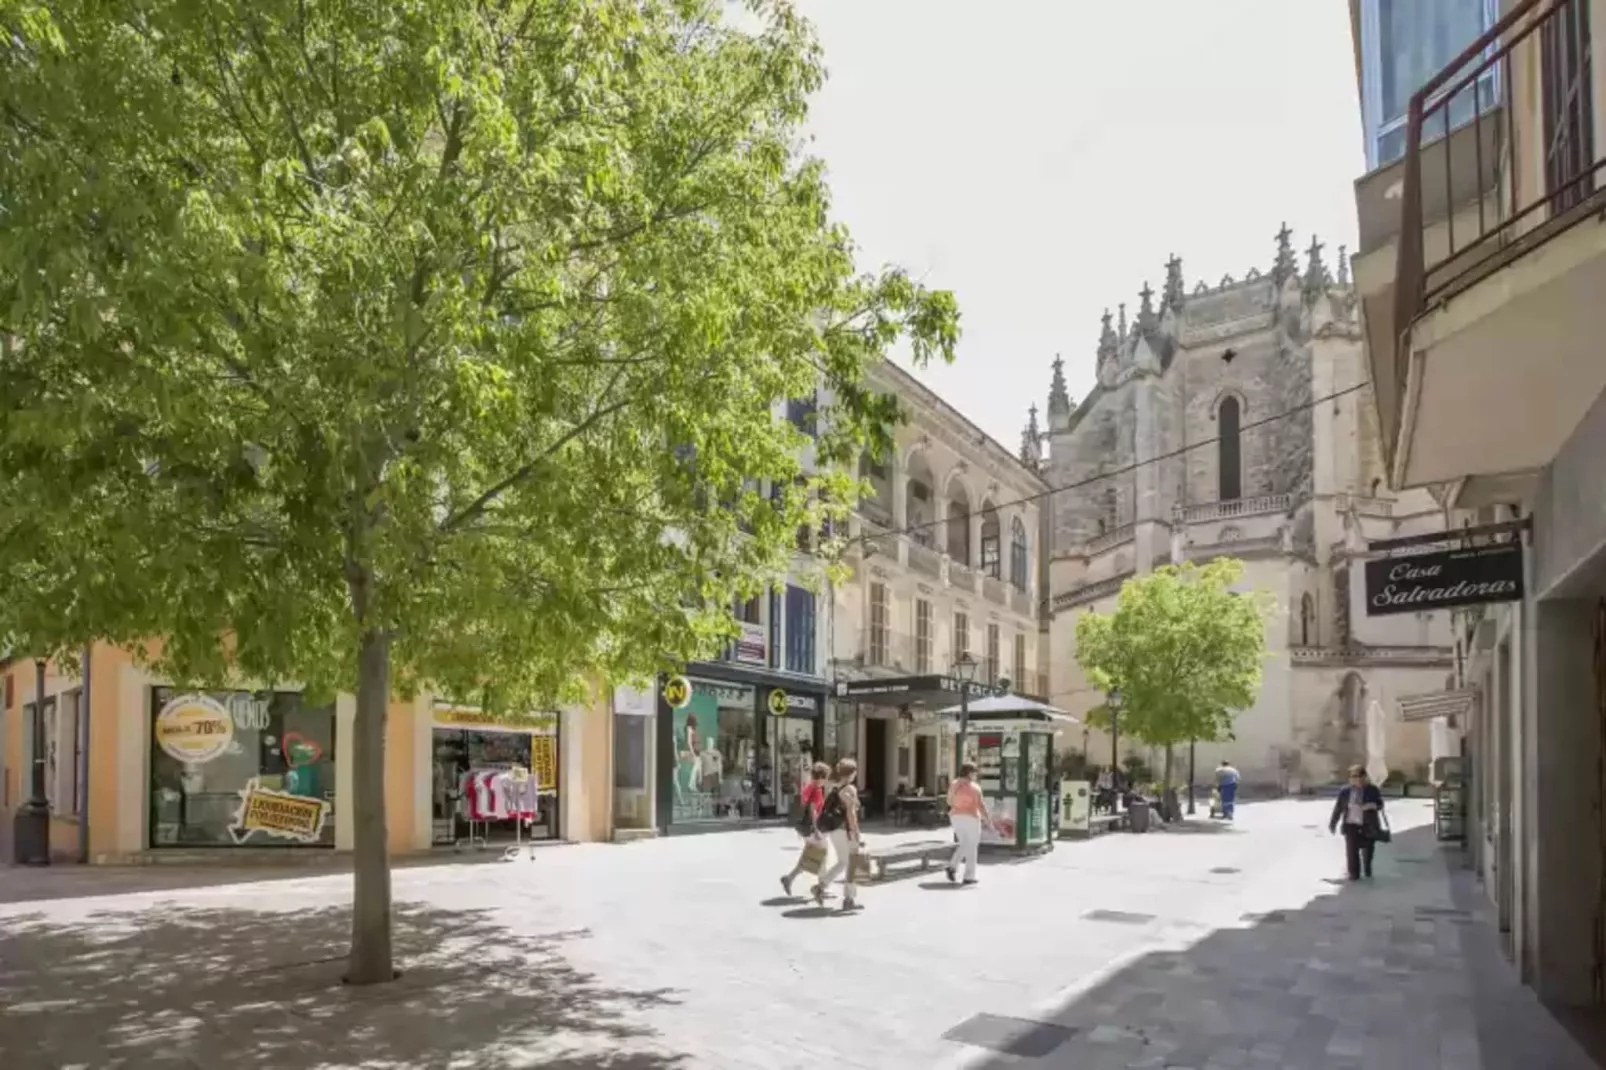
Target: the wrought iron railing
pixel 1549 40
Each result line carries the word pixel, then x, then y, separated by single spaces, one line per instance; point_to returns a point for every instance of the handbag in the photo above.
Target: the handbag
pixel 1382 833
pixel 860 868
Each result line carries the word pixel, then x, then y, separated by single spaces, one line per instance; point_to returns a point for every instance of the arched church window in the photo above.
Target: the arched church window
pixel 1307 617
pixel 1229 461
pixel 1017 554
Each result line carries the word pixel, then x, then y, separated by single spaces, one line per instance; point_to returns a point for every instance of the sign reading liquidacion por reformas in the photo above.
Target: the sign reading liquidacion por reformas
pixel 1419 583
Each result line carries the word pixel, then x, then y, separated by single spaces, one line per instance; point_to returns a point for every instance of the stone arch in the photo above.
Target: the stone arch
pixel 1307 619
pixel 957 504
pixel 1352 695
pixel 878 472
pixel 920 497
pixel 1229 415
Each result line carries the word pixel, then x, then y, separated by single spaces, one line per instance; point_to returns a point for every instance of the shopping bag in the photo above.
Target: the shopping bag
pixel 813 858
pixel 860 869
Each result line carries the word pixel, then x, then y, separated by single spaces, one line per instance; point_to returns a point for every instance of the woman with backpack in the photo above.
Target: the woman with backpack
pixel 811 800
pixel 839 820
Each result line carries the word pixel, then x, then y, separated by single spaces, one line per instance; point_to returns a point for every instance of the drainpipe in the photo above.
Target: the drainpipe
pixel 83 761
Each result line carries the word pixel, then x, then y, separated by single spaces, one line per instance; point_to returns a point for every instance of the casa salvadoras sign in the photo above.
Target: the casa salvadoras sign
pixel 1418 583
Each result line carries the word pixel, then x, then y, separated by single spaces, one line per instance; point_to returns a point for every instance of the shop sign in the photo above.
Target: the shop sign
pixel 447 716
pixel 278 814
pixel 777 702
pixel 751 645
pixel 790 705
pixel 677 692
pixel 631 702
pixel 194 729
pixel 1076 806
pixel 544 762
pixel 1421 582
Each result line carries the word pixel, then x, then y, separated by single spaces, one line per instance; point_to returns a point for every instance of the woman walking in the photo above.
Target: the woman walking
pixel 1359 809
pixel 967 811
pixel 811 801
pixel 839 820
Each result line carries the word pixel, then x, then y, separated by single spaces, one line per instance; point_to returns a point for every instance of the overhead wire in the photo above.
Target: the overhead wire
pixel 1127 469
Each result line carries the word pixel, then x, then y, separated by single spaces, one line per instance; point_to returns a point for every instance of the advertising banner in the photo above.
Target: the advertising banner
pixel 1417 583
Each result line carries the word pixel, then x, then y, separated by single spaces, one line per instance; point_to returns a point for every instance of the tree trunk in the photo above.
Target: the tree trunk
pixel 1168 798
pixel 370 959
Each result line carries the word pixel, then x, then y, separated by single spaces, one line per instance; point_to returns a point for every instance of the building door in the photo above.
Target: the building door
pixel 873 770
pixel 926 763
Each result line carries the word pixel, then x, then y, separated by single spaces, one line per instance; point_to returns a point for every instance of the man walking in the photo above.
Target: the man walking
pixel 1227 785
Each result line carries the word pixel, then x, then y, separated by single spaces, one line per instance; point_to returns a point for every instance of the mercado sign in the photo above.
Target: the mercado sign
pixel 1418 583
pixel 194 729
pixel 278 814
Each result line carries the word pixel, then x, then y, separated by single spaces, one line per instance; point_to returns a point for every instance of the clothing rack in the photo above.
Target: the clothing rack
pixel 482 840
pixel 519 848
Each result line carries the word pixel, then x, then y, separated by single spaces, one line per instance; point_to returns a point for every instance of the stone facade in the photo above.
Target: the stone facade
pixel 1139 463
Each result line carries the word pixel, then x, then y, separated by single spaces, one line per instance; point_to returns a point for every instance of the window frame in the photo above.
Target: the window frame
pixel 880 606
pixel 1373 128
pixel 925 635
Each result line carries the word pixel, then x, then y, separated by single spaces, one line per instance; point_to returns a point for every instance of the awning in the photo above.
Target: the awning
pixel 1019 706
pixel 918 691
pixel 1427 706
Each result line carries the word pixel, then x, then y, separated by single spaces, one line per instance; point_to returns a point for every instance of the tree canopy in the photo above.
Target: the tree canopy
pixel 1183 649
pixel 402 344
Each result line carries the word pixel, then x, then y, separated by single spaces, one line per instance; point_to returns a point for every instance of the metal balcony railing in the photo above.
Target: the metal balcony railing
pixel 1545 47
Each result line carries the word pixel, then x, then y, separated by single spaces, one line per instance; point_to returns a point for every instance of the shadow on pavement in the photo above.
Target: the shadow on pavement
pixel 255 989
pixel 1397 972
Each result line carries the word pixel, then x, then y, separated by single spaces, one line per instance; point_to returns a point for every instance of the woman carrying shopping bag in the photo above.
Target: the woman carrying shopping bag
pixel 811 800
pixel 839 820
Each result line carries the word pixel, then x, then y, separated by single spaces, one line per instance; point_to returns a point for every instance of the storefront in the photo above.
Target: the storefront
pixel 893 726
pixel 734 745
pixel 240 768
pixel 477 795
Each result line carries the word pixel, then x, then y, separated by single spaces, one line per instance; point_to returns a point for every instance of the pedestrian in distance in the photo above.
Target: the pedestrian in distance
pixel 1359 811
pixel 811 800
pixel 1227 785
pixel 967 812
pixel 839 821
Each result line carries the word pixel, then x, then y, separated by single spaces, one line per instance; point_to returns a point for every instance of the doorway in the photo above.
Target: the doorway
pixel 873 769
pixel 925 764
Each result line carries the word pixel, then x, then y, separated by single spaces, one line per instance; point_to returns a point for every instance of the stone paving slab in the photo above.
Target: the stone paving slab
pixel 1227 947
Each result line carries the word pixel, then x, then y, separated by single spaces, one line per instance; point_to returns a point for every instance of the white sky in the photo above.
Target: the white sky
pixel 1042 158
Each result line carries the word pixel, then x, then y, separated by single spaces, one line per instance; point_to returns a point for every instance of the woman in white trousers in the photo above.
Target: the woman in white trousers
pixel 839 821
pixel 966 812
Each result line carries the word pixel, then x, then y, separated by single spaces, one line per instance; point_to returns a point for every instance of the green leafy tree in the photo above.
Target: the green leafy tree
pixel 1184 650
pixel 401 344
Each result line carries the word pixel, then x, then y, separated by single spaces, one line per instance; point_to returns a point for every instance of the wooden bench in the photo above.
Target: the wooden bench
pixel 925 852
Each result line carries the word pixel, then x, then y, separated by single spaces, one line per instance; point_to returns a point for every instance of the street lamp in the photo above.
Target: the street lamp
pixel 965 670
pixel 31 826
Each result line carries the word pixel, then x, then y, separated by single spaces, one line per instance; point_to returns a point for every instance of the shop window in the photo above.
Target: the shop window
pixel 716 762
pixel 209 751
pixel 473 766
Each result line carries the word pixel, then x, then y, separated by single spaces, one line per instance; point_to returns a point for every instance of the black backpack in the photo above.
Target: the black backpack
pixel 832 815
pixel 804 824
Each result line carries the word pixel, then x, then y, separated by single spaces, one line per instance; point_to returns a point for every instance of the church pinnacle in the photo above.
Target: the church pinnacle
pixel 1107 339
pixel 1316 277
pixel 1343 265
pixel 1173 295
pixel 1031 439
pixel 1059 398
pixel 1146 308
pixel 1120 327
pixel 1285 268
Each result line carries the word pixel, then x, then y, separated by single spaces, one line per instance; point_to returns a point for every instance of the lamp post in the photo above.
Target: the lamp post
pixel 1191 744
pixel 1113 703
pixel 31 826
pixel 965 670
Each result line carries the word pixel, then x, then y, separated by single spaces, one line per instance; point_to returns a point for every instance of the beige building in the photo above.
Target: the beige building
pixel 945 560
pixel 1232 420
pixel 1481 268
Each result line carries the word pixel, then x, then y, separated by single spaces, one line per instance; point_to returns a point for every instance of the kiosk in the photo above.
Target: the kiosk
pixel 1011 740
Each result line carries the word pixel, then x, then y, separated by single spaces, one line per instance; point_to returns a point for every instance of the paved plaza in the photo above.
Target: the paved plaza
pixel 1209 947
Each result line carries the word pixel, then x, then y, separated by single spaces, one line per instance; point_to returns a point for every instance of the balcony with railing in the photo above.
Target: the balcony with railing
pixel 1501 256
pixel 1207 512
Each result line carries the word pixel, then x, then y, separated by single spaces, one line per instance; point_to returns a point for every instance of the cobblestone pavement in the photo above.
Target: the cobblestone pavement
pixel 1212 947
